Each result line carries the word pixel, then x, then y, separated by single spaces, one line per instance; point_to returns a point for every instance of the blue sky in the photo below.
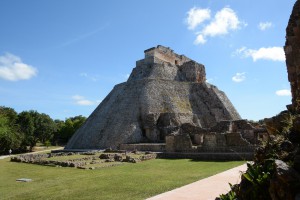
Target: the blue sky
pixel 63 57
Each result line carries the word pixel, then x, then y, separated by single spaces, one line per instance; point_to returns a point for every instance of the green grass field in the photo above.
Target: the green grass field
pixel 127 181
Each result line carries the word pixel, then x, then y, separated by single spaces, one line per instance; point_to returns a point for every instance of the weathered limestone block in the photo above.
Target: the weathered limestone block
pixel 277 123
pixel 235 139
pixel 210 140
pixel 221 140
pixel 222 127
pixel 198 139
pixel 170 143
pixel 195 132
pixel 285 182
pixel 178 143
pixel 192 72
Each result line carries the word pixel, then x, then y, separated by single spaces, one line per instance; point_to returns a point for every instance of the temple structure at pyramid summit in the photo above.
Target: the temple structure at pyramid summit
pixel 166 105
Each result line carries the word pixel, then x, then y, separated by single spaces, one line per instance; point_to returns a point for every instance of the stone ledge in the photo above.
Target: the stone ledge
pixel 154 147
pixel 208 156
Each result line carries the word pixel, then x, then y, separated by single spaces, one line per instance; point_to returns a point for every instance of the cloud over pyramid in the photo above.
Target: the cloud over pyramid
pixel 164 91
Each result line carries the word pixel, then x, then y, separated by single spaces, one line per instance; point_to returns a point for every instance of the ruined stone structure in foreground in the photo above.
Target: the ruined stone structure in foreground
pixel 292 52
pixel 167 104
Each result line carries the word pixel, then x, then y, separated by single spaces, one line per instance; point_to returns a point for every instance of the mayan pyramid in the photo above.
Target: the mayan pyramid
pixel 163 91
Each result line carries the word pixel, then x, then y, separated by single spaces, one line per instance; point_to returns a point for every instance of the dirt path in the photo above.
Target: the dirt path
pixel 7 156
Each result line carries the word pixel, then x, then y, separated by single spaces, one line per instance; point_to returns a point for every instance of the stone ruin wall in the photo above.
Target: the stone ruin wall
pixel 162 63
pixel 292 52
pixel 165 54
pixel 226 136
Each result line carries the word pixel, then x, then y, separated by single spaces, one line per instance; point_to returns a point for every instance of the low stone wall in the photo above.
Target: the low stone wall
pixel 161 147
pixel 92 158
pixel 207 156
pixel 155 147
pixel 29 158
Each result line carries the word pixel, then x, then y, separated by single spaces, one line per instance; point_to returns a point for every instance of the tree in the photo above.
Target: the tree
pixel 69 127
pixel 27 127
pixel 78 121
pixel 36 127
pixel 56 135
pixel 18 131
pixel 44 127
pixel 10 113
pixel 10 136
pixel 67 130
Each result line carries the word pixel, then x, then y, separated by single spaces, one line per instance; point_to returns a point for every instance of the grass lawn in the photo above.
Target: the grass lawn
pixel 126 181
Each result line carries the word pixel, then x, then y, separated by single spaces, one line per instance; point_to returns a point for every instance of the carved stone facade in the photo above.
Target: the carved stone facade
pixel 226 136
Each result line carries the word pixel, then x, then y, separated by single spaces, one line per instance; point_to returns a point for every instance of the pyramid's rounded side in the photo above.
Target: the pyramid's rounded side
pixel 113 122
pixel 120 117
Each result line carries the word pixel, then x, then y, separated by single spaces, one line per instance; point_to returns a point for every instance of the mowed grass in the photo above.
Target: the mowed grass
pixel 127 181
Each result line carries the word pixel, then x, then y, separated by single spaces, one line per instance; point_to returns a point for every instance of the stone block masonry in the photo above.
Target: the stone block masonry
pixel 164 91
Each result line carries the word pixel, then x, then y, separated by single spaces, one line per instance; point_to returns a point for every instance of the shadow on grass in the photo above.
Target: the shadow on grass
pixel 207 157
pixel 203 160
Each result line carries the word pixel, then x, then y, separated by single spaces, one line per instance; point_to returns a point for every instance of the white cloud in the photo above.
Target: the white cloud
pixel 283 93
pixel 224 21
pixel 241 51
pixel 92 78
pixel 200 39
pixel 13 69
pixel 78 97
pixel 85 102
pixel 196 16
pixel 82 101
pixel 269 53
pixel 239 77
pixel 264 25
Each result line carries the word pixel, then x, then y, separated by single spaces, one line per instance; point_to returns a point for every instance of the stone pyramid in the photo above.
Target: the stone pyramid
pixel 164 91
